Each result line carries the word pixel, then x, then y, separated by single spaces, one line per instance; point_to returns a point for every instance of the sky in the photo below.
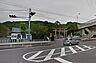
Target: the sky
pixel 49 10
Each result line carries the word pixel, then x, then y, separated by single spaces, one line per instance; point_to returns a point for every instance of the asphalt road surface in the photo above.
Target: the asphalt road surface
pixel 85 52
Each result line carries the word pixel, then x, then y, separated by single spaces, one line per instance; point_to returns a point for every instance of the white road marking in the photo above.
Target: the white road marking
pixel 80 48
pixel 62 60
pixel 73 50
pixel 49 55
pixel 87 47
pixel 35 55
pixel 62 51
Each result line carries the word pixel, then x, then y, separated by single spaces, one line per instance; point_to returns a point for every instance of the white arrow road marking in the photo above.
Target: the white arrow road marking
pixel 62 60
pixel 62 51
pixel 80 48
pixel 35 55
pixel 87 47
pixel 72 50
pixel 49 55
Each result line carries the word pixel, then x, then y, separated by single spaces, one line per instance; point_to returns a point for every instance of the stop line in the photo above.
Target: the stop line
pixel 44 55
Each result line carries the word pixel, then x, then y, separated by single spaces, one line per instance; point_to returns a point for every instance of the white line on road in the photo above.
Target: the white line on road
pixel 35 55
pixel 62 60
pixel 87 47
pixel 73 50
pixel 62 51
pixel 49 55
pixel 80 48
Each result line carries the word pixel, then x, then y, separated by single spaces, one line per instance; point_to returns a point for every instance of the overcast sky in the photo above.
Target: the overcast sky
pixel 49 10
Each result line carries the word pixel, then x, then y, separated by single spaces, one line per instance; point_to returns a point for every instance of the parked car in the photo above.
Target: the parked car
pixel 70 41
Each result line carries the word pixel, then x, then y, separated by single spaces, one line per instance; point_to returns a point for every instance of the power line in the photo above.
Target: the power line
pixel 49 17
pixel 91 4
pixel 53 13
pixel 43 11
pixel 13 4
pixel 13 10
pixel 44 16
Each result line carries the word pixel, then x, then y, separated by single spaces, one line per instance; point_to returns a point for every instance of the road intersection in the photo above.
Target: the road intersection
pixel 85 52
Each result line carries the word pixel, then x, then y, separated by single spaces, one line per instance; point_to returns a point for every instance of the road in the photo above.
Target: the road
pixel 85 52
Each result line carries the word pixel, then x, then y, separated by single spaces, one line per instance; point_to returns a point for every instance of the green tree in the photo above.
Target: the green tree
pixel 71 27
pixel 4 31
pixel 39 30
pixel 23 27
pixel 57 24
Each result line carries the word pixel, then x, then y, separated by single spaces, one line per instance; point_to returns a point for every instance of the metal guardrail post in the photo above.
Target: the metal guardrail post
pixel 22 45
pixel 10 45
pixel 30 44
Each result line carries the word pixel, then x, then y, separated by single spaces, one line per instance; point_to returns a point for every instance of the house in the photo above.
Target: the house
pixel 16 34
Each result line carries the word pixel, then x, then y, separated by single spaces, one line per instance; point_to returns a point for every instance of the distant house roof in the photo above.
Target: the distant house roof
pixel 15 30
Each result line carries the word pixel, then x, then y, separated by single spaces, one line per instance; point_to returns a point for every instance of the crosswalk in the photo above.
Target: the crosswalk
pixel 62 60
pixel 44 55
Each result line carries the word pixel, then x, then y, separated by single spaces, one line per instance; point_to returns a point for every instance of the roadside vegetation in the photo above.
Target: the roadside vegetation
pixel 39 29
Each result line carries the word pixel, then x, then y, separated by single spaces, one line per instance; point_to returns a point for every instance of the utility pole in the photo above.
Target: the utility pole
pixel 78 16
pixel 29 35
pixel 30 14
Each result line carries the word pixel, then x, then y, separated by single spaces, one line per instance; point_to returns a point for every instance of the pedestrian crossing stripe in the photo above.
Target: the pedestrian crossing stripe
pixel 87 47
pixel 73 50
pixel 62 60
pixel 35 55
pixel 80 48
pixel 62 51
pixel 51 52
pixel 49 55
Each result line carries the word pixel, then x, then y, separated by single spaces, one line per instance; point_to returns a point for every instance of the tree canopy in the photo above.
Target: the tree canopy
pixel 71 27
pixel 3 30
pixel 39 29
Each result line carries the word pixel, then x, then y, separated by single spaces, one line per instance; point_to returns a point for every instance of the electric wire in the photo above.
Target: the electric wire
pixel 39 10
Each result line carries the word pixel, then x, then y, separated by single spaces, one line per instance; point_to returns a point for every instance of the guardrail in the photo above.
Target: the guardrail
pixel 24 43
pixel 4 40
pixel 14 43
